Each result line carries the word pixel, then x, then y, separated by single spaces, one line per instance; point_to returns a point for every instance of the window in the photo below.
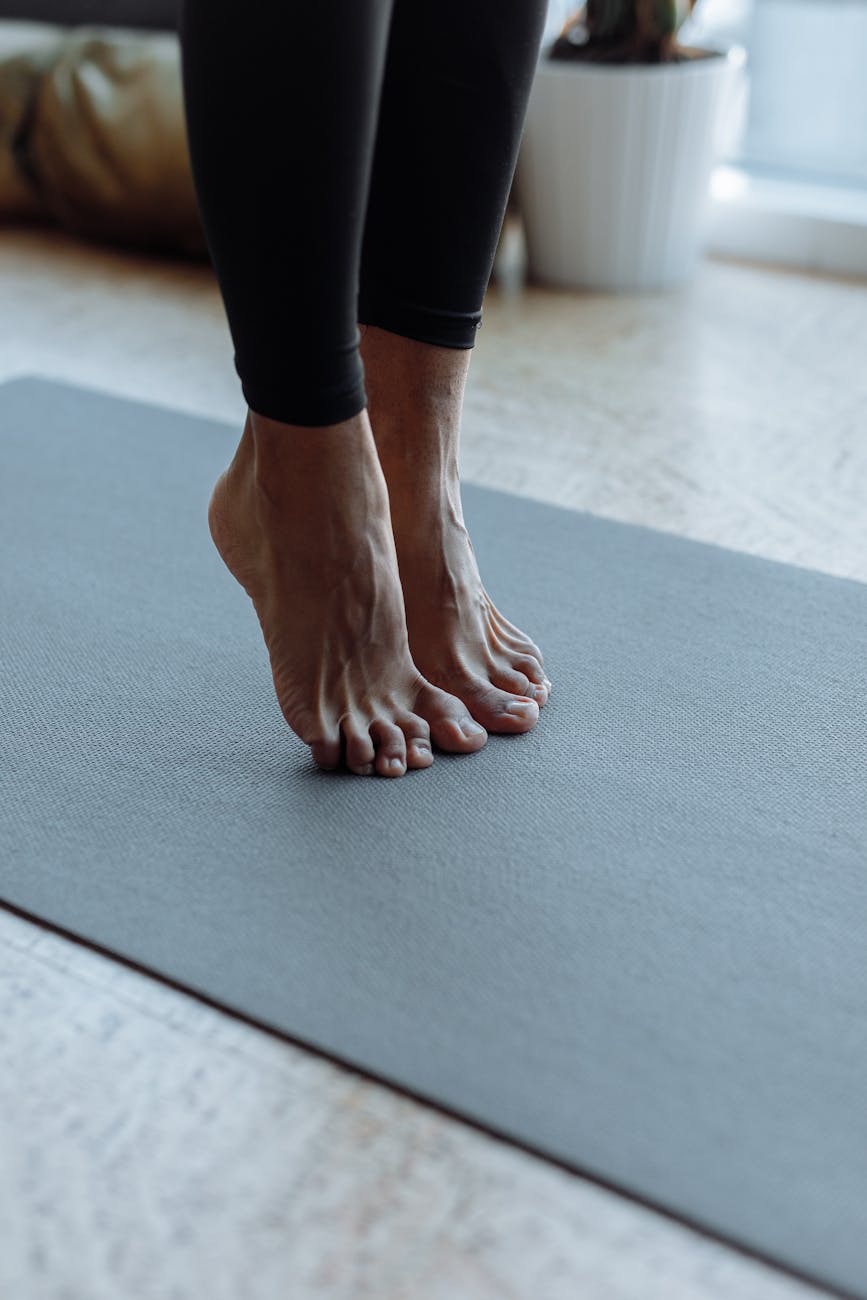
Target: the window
pixel 793 187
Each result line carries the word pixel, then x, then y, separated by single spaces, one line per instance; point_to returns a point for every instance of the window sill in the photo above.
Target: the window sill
pixel 810 226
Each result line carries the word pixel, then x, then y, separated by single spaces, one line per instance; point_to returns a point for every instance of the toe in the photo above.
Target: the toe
pixel 417 735
pixel 459 735
pixel 321 733
pixel 360 750
pixel 451 725
pixel 515 683
pixel 419 753
pixel 532 668
pixel 326 753
pixel 499 710
pixel 390 748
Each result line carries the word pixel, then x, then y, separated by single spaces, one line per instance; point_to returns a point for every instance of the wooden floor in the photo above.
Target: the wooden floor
pixel 153 1147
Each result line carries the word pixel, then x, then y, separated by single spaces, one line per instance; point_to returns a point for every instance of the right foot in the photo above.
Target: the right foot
pixel 301 520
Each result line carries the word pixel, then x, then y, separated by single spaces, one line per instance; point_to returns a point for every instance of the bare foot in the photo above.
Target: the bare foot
pixel 457 636
pixel 301 519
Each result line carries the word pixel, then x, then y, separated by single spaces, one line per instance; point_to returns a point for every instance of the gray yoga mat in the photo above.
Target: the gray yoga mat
pixel 633 940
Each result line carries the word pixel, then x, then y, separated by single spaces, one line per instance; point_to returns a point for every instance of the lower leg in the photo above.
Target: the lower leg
pixel 455 92
pixel 458 638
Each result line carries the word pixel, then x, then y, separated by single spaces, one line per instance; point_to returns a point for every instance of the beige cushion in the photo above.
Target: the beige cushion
pixel 105 146
pixel 27 50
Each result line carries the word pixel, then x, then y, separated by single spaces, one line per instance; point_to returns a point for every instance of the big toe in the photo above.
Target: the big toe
pixel 498 710
pixel 452 727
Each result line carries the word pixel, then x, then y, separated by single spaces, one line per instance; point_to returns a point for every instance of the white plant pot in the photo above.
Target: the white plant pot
pixel 613 173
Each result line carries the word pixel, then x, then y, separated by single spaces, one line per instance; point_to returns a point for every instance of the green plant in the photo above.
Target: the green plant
pixel 625 31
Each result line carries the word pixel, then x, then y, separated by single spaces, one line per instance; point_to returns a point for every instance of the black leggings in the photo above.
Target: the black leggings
pixel 352 161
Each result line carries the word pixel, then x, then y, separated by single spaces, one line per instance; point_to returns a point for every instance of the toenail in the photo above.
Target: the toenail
pixel 421 746
pixel 471 728
pixel 394 764
pixel 522 707
pixel 367 770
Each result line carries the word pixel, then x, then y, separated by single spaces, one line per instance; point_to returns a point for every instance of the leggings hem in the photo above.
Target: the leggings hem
pixel 446 329
pixel 328 407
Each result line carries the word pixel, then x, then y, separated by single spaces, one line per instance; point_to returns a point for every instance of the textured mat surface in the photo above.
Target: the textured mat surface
pixel 633 940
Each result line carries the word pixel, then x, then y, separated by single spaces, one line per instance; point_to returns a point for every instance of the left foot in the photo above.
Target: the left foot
pixel 458 638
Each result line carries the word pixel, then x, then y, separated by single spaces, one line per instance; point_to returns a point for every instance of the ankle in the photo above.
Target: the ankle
pixel 425 511
pixel 319 463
